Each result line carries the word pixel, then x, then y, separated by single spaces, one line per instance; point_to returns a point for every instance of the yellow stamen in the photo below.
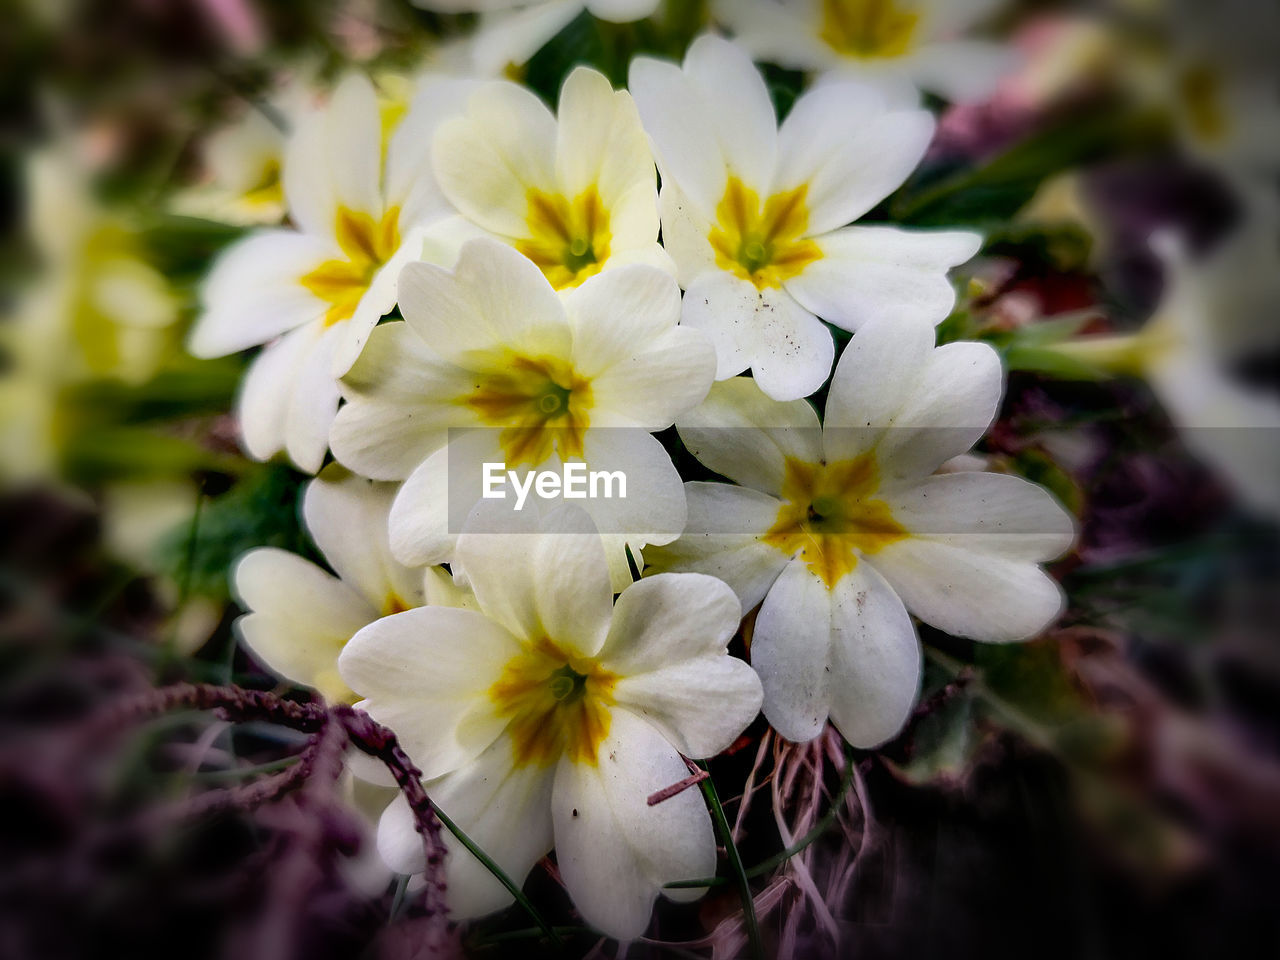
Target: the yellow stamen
pixel 568 239
pixel 542 404
pixel 556 704
pixel 830 517
pixel 868 29
pixel 766 244
pixel 367 245
pixel 269 190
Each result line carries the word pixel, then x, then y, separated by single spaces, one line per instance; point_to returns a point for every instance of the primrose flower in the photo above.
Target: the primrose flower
pixel 301 616
pixel 755 216
pixel 357 184
pixel 575 194
pixel 841 530
pixel 97 310
pixel 540 380
pixel 900 46
pixel 244 160
pixel 512 31
pixel 1213 314
pixel 547 717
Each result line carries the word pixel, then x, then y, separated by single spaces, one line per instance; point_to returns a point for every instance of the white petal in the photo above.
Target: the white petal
pixel 494 297
pixel 680 125
pixel 354 129
pixel 432 506
pixel 425 673
pixel 252 293
pixel 875 659
pixel 411 180
pixel 334 158
pixel 511 38
pixel 839 140
pixel 633 228
pixel 487 160
pixel 742 111
pixel 970 594
pixel 540 579
pixel 614 851
pixel 504 809
pixel 346 515
pixel 263 403
pixel 667 619
pixel 986 512
pixel 300 616
pixel 742 434
pixel 667 643
pixel 793 351
pixel 685 236
pixel 721 539
pixel 398 411
pixel 378 301
pixel 791 650
pixel 964 71
pixel 600 141
pixel 644 369
pixel 722 307
pixel 571 581
pixel 653 510
pixel 881 272
pixel 622 11
pixel 313 403
pixel 916 405
pixel 775 32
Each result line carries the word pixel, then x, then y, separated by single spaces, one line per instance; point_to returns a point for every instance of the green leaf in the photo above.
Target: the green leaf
pixel 260 510
pixel 992 193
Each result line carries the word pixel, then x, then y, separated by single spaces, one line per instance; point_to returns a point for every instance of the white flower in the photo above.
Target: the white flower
pixel 358 187
pixel 901 46
pixel 546 380
pixel 512 31
pixel 843 530
pixel 300 616
pixel 576 193
pixel 1213 314
pixel 755 216
pixel 97 309
pixel 547 717
pixel 244 160
pixel 1216 80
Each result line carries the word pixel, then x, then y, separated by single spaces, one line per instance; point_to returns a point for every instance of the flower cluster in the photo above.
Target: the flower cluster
pixel 470 278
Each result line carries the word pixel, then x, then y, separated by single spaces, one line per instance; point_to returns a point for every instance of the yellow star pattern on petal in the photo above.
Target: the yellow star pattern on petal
pixel 367 245
pixel 831 517
pixel 556 704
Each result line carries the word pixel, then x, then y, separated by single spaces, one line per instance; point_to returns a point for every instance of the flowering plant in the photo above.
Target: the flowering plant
pixel 610 466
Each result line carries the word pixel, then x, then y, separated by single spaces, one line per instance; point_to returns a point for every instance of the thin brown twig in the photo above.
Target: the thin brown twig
pixel 679 787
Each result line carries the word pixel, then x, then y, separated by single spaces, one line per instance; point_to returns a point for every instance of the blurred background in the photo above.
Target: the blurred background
pixel 1109 790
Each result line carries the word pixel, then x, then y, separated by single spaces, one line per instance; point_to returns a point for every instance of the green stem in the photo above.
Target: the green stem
pixel 501 877
pixel 235 773
pixel 735 864
pixel 1123 354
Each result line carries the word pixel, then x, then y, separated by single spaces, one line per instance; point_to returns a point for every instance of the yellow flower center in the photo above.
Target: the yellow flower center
pixel 763 244
pixel 542 404
pixel 868 28
pixel 556 704
pixel 568 239
pixel 269 188
pixel 1200 93
pixel 367 245
pixel 831 517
